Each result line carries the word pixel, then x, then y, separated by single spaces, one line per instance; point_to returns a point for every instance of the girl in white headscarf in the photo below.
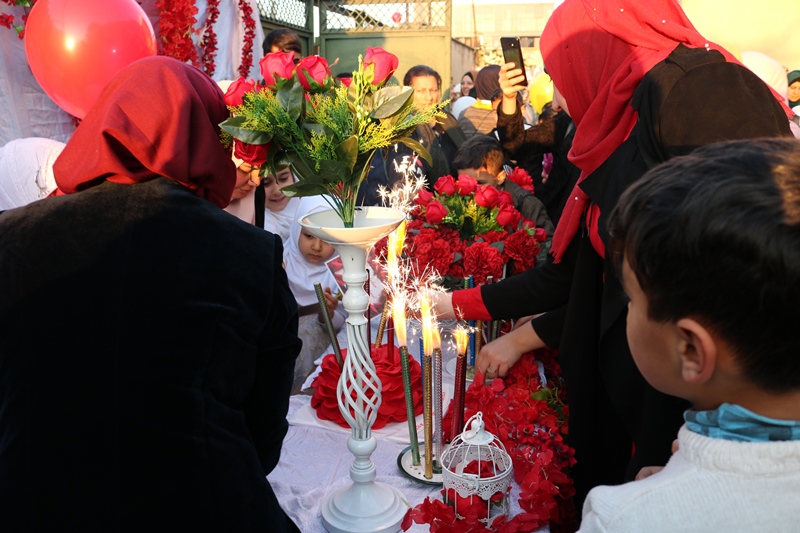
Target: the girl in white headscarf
pixel 26 170
pixel 279 210
pixel 305 259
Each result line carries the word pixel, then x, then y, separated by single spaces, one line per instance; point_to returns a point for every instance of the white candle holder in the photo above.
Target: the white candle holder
pixel 363 505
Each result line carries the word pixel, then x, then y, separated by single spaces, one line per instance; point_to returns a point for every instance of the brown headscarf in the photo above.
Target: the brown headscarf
pixel 487 82
pixel 157 117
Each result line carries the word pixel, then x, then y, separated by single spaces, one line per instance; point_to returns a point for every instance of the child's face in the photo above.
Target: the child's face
pixel 483 176
pixel 314 250
pixel 275 199
pixel 653 344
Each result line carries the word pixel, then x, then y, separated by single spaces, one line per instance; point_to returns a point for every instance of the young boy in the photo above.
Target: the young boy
pixel 481 157
pixel 709 249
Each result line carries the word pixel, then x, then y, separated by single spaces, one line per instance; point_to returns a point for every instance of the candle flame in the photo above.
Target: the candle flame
pixel 462 339
pixel 427 322
pixel 399 318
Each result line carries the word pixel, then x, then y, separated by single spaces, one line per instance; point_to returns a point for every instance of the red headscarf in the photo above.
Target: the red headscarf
pixel 597 52
pixel 157 117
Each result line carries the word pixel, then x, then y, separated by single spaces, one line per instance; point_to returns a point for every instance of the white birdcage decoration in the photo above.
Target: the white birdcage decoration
pixel 488 466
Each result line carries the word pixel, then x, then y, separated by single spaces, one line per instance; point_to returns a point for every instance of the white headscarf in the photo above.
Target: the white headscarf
pixel 26 170
pixel 769 70
pixel 302 274
pixel 280 222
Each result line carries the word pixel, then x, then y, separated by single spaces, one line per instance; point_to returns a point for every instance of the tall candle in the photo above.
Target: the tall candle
pixel 462 339
pixel 428 340
pixel 399 319
pixel 472 345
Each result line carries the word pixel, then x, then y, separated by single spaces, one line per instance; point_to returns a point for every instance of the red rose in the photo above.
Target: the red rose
pixel 385 64
pixel 236 90
pixel 316 68
pixel 255 154
pixel 487 197
pixel 435 212
pixel 507 216
pixel 521 178
pixel 466 185
pixel 541 235
pixel 482 260
pixel 423 197
pixel 446 186
pixel 506 199
pixel 276 65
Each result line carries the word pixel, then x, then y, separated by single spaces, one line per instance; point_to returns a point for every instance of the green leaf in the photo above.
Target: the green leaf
pixel 234 126
pixel 417 147
pixel 290 96
pixel 347 152
pixel 334 171
pixel 542 395
pixel 390 100
pixel 304 189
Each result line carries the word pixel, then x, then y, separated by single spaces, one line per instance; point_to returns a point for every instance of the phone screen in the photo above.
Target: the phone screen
pixel 512 53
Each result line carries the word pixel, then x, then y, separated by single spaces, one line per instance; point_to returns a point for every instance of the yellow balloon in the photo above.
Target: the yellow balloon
pixel 540 91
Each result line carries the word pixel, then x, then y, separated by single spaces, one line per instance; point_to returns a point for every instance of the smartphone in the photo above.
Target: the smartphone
pixel 512 53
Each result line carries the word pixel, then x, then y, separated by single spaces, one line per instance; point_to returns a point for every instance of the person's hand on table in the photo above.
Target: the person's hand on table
pixel 510 79
pixel 496 358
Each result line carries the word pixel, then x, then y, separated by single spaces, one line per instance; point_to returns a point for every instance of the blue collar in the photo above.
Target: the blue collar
pixel 733 422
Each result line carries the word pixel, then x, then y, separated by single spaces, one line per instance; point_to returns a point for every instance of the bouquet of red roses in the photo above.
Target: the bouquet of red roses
pixel 463 228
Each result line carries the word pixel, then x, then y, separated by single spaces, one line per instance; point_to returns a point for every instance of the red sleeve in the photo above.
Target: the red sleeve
pixel 468 305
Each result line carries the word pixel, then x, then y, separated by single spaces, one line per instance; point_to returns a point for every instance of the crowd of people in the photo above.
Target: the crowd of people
pixel 151 341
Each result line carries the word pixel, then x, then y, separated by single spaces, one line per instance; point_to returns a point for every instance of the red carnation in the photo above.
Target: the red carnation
pixel 385 64
pixel 446 186
pixel 482 260
pixel 276 65
pixel 435 212
pixel 522 249
pixel 466 185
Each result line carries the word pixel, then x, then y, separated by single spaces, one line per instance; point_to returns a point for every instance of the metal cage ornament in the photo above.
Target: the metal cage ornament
pixel 476 464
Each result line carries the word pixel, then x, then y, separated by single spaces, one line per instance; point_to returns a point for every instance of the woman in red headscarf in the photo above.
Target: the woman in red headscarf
pixel 635 78
pixel 148 338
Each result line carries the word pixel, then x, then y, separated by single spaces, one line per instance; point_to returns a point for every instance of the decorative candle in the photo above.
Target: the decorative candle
pixel 472 353
pixel 427 338
pixel 337 352
pixel 438 437
pixel 462 340
pixel 399 319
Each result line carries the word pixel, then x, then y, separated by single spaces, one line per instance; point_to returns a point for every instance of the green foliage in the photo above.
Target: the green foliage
pixel 329 138
pixel 467 217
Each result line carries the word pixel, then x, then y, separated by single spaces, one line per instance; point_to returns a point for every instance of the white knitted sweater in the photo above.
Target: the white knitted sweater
pixel 709 485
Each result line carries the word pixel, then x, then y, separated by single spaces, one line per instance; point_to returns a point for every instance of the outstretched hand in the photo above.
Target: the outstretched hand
pixel 496 358
pixel 510 79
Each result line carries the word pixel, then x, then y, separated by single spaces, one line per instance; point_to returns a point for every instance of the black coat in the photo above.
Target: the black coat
pixel 147 348
pixel 612 408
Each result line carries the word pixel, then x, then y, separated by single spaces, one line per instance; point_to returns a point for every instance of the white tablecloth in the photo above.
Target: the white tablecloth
pixel 315 461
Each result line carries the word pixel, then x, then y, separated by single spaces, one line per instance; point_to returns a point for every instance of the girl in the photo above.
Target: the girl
pixel 280 210
pixel 305 258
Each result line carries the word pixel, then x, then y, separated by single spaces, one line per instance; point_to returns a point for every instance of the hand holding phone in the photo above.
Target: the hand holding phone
pixel 512 53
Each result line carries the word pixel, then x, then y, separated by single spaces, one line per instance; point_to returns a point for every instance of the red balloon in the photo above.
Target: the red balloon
pixel 75 47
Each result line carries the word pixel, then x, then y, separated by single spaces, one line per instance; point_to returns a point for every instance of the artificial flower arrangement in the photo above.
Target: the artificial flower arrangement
pixel 463 229
pixel 326 132
pixel 530 419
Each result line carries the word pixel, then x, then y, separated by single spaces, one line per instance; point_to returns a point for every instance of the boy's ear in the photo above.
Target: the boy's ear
pixel 698 351
pixel 501 176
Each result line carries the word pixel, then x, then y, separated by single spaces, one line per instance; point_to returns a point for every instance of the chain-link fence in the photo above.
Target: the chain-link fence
pixel 288 13
pixel 384 15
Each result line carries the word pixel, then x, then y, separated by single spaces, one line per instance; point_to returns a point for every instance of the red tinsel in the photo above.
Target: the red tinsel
pixel 249 36
pixel 176 25
pixel 209 40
